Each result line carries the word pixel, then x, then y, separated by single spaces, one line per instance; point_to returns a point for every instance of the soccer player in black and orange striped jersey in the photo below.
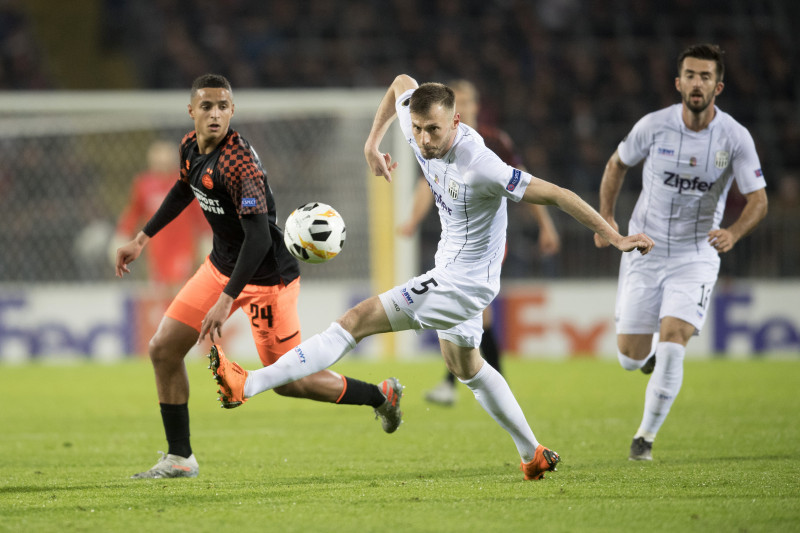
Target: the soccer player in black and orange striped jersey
pixel 248 268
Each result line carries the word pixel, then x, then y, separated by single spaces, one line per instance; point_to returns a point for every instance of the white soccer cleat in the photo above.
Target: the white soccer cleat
pixel 442 394
pixel 171 466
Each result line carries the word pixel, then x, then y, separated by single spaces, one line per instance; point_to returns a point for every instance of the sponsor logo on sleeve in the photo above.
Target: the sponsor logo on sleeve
pixel 759 174
pixel 249 202
pixel 514 181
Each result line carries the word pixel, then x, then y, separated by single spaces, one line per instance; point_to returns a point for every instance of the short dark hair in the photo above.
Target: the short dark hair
pixel 214 81
pixel 430 94
pixel 710 52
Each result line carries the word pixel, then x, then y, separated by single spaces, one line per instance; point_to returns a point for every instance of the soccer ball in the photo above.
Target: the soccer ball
pixel 314 233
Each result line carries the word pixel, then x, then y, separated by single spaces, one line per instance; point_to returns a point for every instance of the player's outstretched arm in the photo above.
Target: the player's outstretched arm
pixel 128 253
pixel 613 176
pixel 379 163
pixel 543 192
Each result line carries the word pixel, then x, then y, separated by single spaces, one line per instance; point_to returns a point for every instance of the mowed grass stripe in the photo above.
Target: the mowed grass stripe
pixel 726 460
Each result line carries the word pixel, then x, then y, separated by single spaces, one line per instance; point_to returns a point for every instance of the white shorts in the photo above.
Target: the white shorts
pixel 439 299
pixel 652 287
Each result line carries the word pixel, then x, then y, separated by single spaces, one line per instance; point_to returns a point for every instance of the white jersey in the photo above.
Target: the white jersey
pixel 470 185
pixel 686 177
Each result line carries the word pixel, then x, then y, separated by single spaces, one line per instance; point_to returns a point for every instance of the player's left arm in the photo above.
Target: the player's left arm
pixel 724 239
pixel 549 241
pixel 246 185
pixel 542 192
pixel 257 241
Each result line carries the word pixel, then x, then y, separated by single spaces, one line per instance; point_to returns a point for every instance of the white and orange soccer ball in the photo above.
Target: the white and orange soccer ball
pixel 314 233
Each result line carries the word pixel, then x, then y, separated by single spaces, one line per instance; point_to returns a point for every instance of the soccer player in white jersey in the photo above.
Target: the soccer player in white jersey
pixel 693 152
pixel 470 185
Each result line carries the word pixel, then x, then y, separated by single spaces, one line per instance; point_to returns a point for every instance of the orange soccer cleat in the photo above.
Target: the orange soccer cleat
pixel 389 412
pixel 230 377
pixel 544 460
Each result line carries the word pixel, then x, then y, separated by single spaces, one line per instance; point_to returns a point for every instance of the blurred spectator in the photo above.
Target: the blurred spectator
pixel 786 215
pixel 21 60
pixel 566 78
pixel 173 254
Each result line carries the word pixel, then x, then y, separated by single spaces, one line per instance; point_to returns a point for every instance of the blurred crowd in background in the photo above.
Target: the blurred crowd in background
pixel 566 79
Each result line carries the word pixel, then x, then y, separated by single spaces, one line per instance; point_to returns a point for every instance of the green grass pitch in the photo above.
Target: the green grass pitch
pixel 727 459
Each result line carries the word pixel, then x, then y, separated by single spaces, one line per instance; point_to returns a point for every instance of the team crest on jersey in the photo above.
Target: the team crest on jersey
pixel 452 188
pixel 721 159
pixel 436 179
pixel 208 183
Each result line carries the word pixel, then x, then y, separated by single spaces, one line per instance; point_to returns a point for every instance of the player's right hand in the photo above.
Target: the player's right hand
pixel 126 254
pixel 640 242
pixel 381 164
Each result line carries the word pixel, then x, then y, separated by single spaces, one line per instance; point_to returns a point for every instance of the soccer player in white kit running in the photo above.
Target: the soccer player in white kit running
pixel 470 185
pixel 693 152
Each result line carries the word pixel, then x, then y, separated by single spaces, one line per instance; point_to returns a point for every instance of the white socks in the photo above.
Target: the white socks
pixel 494 395
pixel 663 387
pixel 312 355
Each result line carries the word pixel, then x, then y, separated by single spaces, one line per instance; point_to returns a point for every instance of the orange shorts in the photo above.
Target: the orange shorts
pixel 274 321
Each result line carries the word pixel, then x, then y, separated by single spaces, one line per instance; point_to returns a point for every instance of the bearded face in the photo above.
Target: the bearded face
pixel 698 84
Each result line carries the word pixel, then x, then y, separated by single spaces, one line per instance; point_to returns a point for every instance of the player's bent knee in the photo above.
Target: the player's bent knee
pixel 628 363
pixel 365 319
pixel 166 347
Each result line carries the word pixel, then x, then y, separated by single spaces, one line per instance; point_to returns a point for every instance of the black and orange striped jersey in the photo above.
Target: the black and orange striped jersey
pixel 230 183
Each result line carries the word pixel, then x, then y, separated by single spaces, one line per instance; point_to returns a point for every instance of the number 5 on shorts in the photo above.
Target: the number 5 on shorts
pixel 425 286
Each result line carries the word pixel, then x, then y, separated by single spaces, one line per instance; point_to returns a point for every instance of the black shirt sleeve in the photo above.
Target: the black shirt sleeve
pixel 256 245
pixel 178 197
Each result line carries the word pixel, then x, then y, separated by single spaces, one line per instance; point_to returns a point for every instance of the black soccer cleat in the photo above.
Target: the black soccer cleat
pixel 641 450
pixel 649 366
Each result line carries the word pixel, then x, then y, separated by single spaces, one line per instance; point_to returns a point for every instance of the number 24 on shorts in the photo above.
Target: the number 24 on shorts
pixel 262 313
